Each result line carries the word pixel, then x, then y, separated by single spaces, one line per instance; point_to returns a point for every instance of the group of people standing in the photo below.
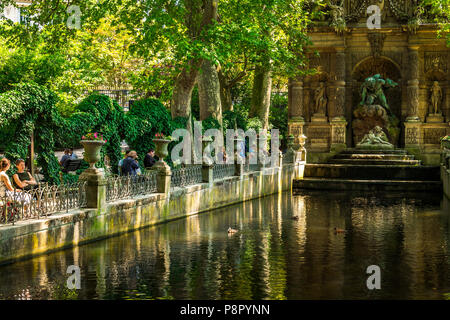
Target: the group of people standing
pixel 129 166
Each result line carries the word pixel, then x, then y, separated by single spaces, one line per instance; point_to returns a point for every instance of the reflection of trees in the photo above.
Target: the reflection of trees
pixel 271 257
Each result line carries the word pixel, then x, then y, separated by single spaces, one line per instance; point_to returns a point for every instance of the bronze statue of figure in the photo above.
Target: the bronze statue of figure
pixel 436 97
pixel 372 89
pixel 321 100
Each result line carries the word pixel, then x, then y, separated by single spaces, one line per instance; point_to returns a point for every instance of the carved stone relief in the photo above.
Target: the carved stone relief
pixel 412 136
pixel 436 61
pixel 339 134
pixel 376 40
pixel 323 61
pixel 433 135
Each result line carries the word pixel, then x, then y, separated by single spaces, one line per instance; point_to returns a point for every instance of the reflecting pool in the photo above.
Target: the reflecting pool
pixel 272 256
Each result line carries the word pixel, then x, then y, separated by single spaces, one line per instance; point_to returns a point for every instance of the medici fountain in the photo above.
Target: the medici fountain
pixel 378 103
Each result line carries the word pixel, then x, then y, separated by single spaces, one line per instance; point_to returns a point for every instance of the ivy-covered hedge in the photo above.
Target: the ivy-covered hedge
pixel 97 113
pixel 30 108
pixel 146 118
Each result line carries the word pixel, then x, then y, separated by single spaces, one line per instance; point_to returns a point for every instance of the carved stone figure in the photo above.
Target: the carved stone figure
pixel 321 100
pixel 372 89
pixel 436 97
pixel 337 17
pixel 375 139
pixel 376 40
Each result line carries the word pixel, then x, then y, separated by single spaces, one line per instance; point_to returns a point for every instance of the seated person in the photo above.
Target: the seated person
pixel 23 179
pixel 73 156
pixel 6 189
pixel 64 158
pixel 149 159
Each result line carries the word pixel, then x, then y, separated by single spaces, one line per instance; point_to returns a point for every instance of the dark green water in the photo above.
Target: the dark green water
pixel 271 257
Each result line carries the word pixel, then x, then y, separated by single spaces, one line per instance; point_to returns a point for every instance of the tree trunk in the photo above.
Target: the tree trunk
pixel 206 10
pixel 182 92
pixel 209 92
pixel 225 93
pixel 261 92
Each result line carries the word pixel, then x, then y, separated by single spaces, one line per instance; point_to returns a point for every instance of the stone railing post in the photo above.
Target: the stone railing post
pixel 207 172
pixel 238 160
pixel 239 169
pixel 262 154
pixel 95 187
pixel 163 177
pixel 207 161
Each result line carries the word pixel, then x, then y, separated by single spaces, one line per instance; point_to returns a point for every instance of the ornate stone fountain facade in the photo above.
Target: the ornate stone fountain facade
pixel 322 106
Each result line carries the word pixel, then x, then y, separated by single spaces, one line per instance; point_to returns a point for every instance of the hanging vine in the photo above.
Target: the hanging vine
pixel 30 108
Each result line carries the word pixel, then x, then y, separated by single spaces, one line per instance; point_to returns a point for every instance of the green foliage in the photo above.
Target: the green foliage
pixel 210 123
pixel 236 119
pixel 278 116
pixel 195 104
pixel 96 113
pixel 25 109
pixel 146 118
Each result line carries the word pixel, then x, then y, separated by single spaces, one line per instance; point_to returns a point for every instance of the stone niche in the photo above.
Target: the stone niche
pixel 367 117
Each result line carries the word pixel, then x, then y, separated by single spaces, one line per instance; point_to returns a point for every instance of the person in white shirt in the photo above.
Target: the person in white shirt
pixel 6 188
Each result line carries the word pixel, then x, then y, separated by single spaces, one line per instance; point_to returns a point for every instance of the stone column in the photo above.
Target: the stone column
pixel 95 187
pixel 413 132
pixel 339 99
pixel 296 120
pixel 413 85
pixel 296 99
pixel 338 123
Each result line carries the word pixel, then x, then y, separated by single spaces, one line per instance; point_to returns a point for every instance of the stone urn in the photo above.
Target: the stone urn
pixel 206 143
pixel 161 151
pixel 92 151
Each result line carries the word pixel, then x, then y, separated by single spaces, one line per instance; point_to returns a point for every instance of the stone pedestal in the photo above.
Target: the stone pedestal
pixel 207 173
pixel 338 131
pixel 318 117
pixel 435 118
pixel 319 136
pixel 413 135
pixel 239 169
pixel 95 187
pixel 295 128
pixel 163 176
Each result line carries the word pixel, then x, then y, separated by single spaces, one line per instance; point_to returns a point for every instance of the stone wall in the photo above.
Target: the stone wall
pixel 445 170
pixel 445 174
pixel 33 237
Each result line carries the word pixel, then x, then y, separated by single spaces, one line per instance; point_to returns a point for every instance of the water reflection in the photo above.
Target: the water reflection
pixel 271 257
